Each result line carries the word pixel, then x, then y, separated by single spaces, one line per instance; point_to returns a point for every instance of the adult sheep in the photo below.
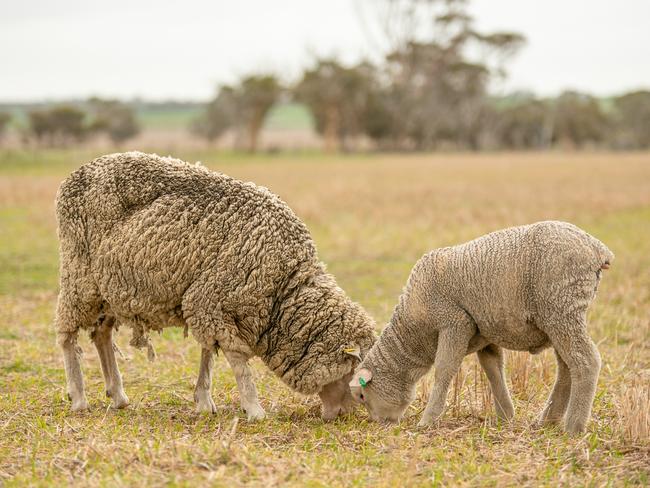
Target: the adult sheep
pixel 152 242
pixel 524 288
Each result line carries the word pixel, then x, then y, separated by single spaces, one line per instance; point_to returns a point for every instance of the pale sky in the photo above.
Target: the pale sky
pixel 159 49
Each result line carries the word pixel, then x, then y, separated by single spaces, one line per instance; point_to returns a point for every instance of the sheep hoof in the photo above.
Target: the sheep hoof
pixel 425 423
pixel 119 401
pixel 255 413
pixel 80 405
pixel 204 403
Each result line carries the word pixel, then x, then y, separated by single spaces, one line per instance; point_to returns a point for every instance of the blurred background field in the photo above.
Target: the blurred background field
pixel 372 217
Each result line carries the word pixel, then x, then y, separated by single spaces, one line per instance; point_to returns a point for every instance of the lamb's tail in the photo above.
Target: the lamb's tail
pixel 605 256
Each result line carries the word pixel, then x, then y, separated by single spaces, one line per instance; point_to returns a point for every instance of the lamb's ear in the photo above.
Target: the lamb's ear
pixel 361 378
pixel 353 350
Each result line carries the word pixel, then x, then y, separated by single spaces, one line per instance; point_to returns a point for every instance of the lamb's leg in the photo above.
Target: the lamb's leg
pixel 103 339
pixel 73 375
pixel 202 395
pixel 247 391
pixel 577 350
pixel 452 346
pixel 491 360
pixel 558 401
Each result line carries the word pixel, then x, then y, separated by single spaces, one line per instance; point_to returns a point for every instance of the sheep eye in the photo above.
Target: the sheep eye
pixel 361 397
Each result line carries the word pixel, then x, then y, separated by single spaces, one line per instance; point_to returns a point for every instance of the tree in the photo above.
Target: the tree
pixel 578 120
pixel 243 107
pixel 115 118
pixel 435 91
pixel 254 97
pixel 632 117
pixel 4 123
pixel 58 125
pixel 338 98
pixel 525 123
pixel 219 115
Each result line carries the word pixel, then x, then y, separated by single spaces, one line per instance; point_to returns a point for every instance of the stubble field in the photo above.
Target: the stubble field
pixel 372 217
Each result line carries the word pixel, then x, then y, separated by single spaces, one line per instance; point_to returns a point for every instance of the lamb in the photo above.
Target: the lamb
pixel 152 242
pixel 523 288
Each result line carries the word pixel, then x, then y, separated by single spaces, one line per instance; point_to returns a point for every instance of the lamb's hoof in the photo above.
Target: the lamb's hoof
pixel 254 413
pixel 506 417
pixel 544 421
pixel 427 421
pixel 574 428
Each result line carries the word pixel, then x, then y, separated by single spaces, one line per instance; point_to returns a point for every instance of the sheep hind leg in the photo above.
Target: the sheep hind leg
pixel 247 391
pixel 452 347
pixel 73 374
pixel 557 402
pixel 491 360
pixel 577 350
pixel 202 392
pixel 102 337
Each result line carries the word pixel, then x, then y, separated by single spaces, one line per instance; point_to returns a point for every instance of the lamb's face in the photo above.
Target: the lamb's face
pixel 382 404
pixel 336 398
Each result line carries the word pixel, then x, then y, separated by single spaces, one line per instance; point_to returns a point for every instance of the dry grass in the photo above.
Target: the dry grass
pixel 372 217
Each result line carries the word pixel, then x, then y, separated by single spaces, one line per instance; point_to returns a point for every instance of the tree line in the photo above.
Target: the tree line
pixel 68 124
pixel 429 90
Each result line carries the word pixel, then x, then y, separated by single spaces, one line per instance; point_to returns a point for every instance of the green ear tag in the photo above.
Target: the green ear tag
pixel 362 382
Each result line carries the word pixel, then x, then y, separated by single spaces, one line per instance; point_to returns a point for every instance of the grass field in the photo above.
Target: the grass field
pixel 372 217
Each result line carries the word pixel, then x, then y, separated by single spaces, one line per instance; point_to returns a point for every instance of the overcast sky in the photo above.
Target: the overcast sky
pixel 158 49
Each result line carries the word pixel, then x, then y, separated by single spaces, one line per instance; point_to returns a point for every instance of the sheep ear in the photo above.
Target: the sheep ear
pixel 353 350
pixel 361 378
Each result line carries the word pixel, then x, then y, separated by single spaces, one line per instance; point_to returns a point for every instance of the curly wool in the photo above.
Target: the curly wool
pixel 157 242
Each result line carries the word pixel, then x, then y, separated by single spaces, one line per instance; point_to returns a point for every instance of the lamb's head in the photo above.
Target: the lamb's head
pixel 384 394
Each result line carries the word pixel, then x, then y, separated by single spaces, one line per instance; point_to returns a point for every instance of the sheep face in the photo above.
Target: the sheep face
pixel 383 400
pixel 336 398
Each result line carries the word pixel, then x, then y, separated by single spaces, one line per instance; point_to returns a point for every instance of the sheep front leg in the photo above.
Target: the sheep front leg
pixel 247 391
pixel 491 360
pixel 202 395
pixel 452 346
pixel 73 375
pixel 102 337
pixel 558 401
